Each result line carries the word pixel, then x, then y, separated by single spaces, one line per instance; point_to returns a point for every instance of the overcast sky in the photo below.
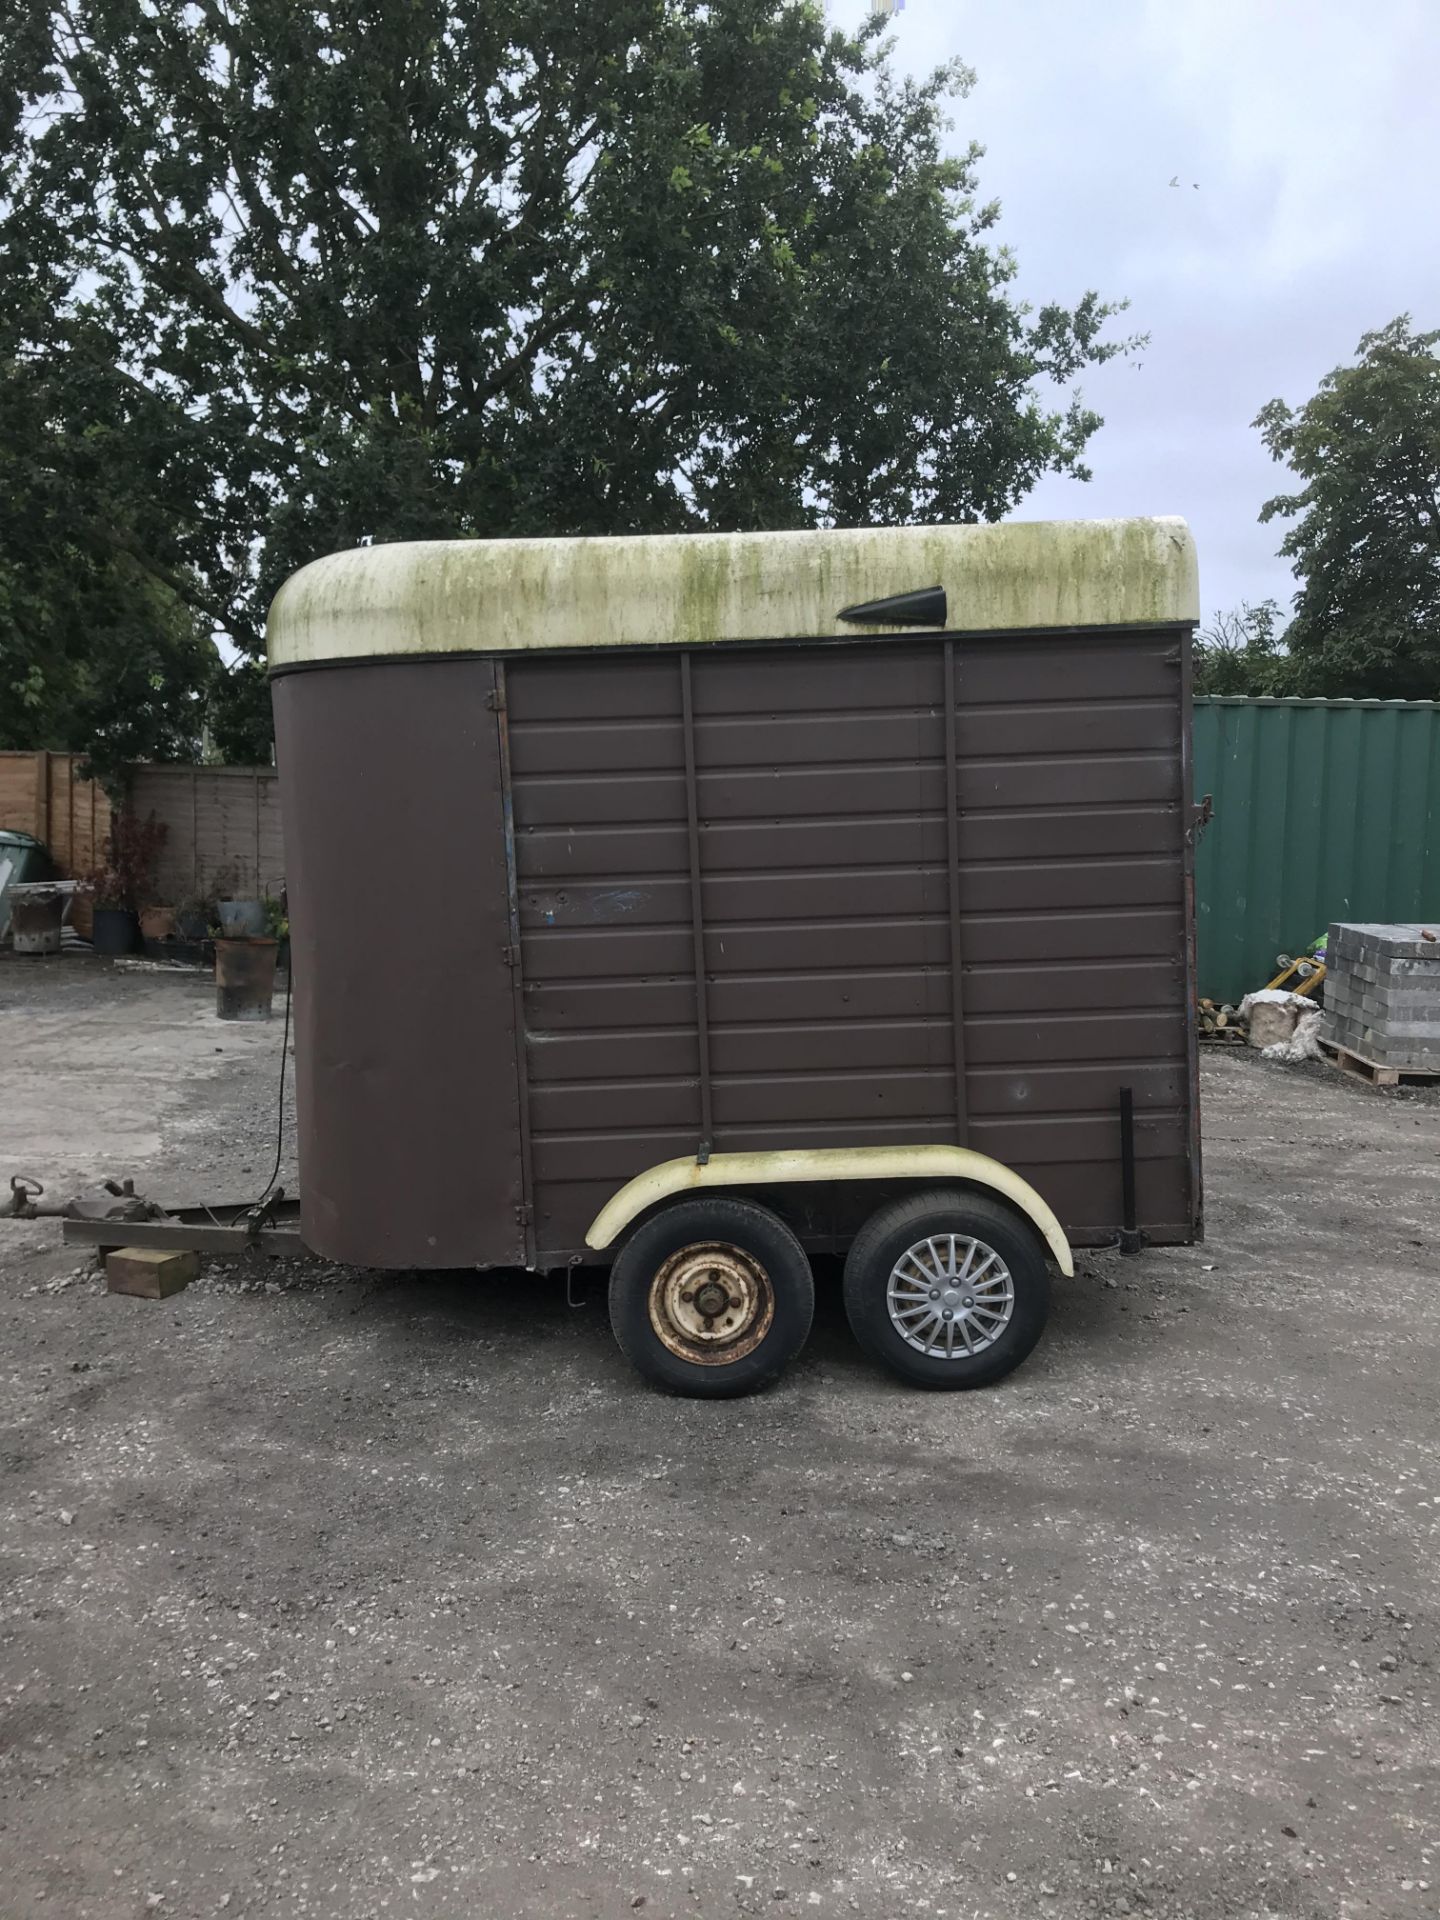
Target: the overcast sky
pixel 1311 132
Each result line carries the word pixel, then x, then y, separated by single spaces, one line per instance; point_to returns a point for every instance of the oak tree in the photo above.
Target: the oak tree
pixel 1365 538
pixel 381 271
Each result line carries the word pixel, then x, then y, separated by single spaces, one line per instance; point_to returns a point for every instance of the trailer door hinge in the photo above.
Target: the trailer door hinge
pixel 524 1214
pixel 495 699
pixel 511 956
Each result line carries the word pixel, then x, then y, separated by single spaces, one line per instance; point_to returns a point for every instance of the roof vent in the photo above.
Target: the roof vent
pixel 926 607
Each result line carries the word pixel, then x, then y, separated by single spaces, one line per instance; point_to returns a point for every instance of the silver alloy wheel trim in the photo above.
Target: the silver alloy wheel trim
pixel 950 1296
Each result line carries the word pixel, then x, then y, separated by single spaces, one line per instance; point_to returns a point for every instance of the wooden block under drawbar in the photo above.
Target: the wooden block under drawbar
pixel 150 1272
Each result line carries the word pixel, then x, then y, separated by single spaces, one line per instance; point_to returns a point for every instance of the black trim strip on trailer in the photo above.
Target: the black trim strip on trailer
pixel 665 648
pixel 697 911
pixel 952 848
pixel 525 1212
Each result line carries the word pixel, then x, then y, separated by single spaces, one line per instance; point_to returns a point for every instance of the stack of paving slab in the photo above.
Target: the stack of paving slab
pixel 1382 994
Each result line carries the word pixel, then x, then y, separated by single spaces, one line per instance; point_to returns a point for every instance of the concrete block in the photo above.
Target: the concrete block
pixel 1382 937
pixel 149 1272
pixel 1382 991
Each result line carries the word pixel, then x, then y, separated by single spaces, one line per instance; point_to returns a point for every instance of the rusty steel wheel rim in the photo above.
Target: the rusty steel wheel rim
pixel 711 1303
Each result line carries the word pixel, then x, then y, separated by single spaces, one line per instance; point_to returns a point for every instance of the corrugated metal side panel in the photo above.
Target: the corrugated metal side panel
pixel 602 868
pixel 823 857
pixel 1324 810
pixel 1074 922
pixel 785 777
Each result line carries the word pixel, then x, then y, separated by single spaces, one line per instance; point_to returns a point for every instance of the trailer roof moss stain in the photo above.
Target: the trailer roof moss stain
pixel 680 590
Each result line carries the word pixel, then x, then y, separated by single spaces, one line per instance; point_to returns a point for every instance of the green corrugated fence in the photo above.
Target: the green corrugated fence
pixel 1324 810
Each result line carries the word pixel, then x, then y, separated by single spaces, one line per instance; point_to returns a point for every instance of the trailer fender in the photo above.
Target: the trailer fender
pixel 814 1164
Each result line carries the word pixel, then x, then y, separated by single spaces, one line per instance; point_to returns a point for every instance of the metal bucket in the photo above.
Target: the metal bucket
pixel 36 912
pixel 244 978
pixel 241 919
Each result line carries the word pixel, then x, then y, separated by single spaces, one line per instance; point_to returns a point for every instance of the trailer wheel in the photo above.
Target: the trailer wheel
pixel 947 1289
pixel 711 1297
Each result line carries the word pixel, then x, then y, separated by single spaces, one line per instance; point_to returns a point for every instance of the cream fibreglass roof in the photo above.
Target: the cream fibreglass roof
pixel 515 596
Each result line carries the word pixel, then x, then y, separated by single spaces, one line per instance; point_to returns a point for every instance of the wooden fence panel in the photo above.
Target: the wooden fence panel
pixel 223 828
pixel 17 792
pixel 222 823
pixel 79 816
pixel 42 793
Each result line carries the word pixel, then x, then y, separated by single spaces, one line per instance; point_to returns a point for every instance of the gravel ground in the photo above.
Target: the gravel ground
pixel 340 1594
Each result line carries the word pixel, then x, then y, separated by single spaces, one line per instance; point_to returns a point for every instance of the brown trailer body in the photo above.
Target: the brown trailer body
pixel 606 875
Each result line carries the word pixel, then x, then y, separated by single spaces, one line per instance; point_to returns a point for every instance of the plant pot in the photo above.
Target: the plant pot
pixel 116 930
pixel 244 978
pixel 242 919
pixel 157 923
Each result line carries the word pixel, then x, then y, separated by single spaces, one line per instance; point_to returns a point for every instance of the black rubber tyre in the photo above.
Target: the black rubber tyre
pixel 690 1257
pixel 882 1242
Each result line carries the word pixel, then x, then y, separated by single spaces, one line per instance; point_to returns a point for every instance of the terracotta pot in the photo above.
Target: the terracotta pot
pixel 157 923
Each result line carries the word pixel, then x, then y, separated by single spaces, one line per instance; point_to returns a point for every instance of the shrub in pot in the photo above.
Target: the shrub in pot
pixel 115 928
pixel 124 878
pixel 193 916
pixel 277 927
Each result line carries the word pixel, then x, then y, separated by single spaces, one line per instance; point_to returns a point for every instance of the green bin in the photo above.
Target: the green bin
pixel 22 859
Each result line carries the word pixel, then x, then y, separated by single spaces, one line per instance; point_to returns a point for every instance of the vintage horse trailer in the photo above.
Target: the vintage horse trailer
pixel 697 904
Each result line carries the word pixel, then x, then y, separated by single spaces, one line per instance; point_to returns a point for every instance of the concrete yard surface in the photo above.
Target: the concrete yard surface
pixel 340 1594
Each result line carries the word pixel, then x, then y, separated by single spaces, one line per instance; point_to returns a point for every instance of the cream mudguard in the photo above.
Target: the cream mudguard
pixel 825 1164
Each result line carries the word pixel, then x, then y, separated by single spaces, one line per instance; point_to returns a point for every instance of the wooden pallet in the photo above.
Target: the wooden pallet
pixel 1374 1075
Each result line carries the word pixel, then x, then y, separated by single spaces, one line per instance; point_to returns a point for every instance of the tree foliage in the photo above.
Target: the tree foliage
pixel 378 271
pixel 1365 539
pixel 1240 652
pixel 97 652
